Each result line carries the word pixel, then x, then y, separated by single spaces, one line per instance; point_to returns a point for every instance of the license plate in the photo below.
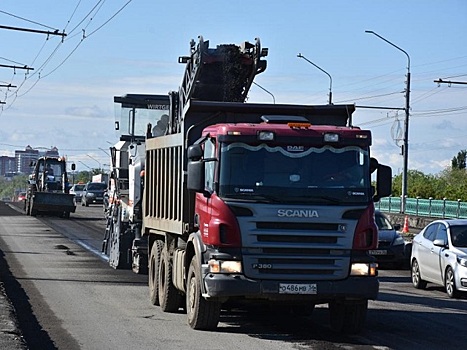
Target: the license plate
pixel 294 288
pixel 378 252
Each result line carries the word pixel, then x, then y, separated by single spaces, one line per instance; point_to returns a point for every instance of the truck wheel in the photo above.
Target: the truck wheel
pixel 416 277
pixel 348 316
pixel 32 210
pixel 202 314
pixel 169 297
pixel 119 245
pixel 154 262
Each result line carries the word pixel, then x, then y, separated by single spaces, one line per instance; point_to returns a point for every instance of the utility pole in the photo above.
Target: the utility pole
pixel 16 67
pixel 48 32
pixel 441 81
pixel 405 147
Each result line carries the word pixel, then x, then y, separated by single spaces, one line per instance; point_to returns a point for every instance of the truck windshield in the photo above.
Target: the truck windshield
pixel 296 174
pixel 52 169
pixel 133 121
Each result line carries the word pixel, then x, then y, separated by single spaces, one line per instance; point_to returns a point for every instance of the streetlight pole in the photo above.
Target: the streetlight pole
pixel 405 147
pixel 100 166
pixel 268 92
pixel 90 172
pixel 322 70
pixel 103 150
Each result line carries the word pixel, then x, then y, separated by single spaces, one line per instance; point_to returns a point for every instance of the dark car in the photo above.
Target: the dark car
pixel 93 193
pixel 392 248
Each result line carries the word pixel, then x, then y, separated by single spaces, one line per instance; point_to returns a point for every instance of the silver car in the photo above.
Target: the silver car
pixel 439 255
pixel 77 190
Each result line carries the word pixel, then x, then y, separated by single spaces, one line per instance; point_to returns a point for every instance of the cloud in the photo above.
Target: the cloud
pixel 87 112
pixel 445 125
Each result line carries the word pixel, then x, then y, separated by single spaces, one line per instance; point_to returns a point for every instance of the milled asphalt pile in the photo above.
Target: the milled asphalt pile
pixel 10 334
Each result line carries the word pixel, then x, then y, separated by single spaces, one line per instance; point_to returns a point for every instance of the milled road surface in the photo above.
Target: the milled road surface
pixel 67 297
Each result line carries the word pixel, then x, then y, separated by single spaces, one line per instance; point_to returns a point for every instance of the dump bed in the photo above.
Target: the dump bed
pixel 168 205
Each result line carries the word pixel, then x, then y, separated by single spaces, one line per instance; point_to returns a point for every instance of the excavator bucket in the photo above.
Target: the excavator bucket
pixel 50 202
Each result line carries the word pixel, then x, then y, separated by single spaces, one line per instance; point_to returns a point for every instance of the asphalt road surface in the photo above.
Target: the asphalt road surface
pixel 67 297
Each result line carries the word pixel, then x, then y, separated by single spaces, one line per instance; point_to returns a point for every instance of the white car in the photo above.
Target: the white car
pixel 439 255
pixel 77 190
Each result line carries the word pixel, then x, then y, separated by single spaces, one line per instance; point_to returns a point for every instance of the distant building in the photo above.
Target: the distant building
pixel 7 165
pixel 24 159
pixel 21 162
pixel 52 152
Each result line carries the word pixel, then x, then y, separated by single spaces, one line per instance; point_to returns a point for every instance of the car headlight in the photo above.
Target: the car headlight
pixel 224 266
pixel 398 241
pixel 462 260
pixel 363 269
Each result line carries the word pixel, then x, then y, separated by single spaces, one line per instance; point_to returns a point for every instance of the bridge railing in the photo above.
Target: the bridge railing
pixel 435 208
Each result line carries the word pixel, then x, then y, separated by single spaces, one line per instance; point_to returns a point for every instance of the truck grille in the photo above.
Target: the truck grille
pixel 296 248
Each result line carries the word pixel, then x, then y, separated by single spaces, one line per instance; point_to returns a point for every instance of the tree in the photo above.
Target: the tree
pixel 459 162
pixel 10 187
pixel 418 183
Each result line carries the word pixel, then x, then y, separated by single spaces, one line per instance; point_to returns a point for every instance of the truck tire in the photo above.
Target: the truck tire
pixel 202 314
pixel 169 297
pixel 119 245
pixel 154 262
pixel 27 208
pixel 32 210
pixel 348 316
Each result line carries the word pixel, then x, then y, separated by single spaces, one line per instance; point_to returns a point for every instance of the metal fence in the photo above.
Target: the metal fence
pixel 435 208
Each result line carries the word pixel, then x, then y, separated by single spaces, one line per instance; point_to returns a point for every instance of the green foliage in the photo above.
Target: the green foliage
pixel 10 187
pixel 449 184
pixel 459 161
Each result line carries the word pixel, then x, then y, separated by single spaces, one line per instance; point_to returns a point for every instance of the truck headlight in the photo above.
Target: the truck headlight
pixel 363 269
pixel 224 266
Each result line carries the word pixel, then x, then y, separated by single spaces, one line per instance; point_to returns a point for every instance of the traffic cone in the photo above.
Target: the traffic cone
pixel 405 229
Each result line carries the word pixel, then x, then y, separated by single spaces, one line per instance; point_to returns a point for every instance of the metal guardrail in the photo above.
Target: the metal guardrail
pixel 434 208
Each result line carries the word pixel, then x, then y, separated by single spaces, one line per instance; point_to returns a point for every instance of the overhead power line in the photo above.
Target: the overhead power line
pixel 25 19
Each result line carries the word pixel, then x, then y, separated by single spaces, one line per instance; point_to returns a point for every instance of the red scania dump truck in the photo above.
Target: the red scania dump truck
pixel 256 203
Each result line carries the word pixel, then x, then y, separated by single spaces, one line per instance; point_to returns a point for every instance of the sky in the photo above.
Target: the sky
pixel 116 47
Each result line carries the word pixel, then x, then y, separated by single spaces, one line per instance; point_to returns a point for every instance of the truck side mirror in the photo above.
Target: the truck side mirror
pixel 195 176
pixel 195 152
pixel 383 182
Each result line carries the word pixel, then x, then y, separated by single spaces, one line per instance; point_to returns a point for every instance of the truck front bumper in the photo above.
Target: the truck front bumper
pixel 230 286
